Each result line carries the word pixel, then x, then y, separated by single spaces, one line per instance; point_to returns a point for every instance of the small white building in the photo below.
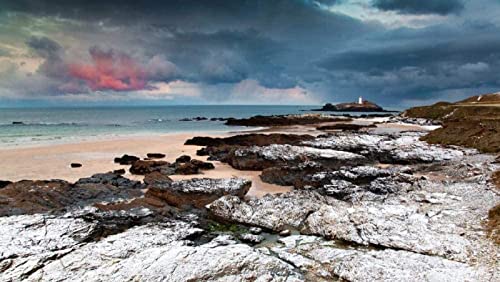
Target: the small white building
pixel 360 100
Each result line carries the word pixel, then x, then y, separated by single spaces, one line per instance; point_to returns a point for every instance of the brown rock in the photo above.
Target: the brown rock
pixel 284 120
pixel 186 169
pixel 120 171
pixel 4 183
pixel 156 177
pixel 496 178
pixel 144 167
pixel 155 155
pixel 493 224
pixel 126 159
pixel 250 140
pixel 29 196
pixel 183 158
pixel 202 165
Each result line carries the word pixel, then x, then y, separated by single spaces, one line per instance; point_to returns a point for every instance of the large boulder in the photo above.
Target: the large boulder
pixel 179 167
pixel 126 159
pixel 144 167
pixel 259 158
pixel 155 155
pixel 156 177
pixel 198 192
pixel 290 175
pixel 355 183
pixel 272 212
pixel 397 148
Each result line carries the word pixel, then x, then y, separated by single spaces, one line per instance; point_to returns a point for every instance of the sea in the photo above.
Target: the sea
pixel 37 126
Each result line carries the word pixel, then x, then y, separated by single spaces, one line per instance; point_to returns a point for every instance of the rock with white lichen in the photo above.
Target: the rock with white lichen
pixel 197 192
pixel 398 148
pixel 258 158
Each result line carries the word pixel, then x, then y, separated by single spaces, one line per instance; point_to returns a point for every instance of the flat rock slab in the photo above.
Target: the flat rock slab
pixel 258 158
pixel 198 192
pixel 151 252
pixel 398 149
pixel 28 197
pixel 272 212
pixel 329 260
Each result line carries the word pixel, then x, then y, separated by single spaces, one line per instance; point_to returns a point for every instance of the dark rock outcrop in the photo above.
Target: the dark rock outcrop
pixel 75 165
pixel 284 120
pixel 183 159
pixel 155 155
pixel 126 159
pixel 4 183
pixel 345 127
pixel 250 140
pixel 120 171
pixel 111 179
pixel 28 196
pixel 144 167
pixel 156 177
pixel 290 175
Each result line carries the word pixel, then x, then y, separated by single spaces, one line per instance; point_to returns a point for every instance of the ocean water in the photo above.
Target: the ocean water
pixel 32 126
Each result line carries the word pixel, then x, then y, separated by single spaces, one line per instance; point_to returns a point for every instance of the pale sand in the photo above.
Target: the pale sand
pixel 53 161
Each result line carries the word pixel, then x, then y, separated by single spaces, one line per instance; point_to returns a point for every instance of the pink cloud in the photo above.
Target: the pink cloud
pixel 110 70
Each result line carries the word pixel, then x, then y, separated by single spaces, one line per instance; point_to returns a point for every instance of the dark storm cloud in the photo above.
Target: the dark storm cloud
pixel 279 17
pixel 227 57
pixel 440 7
pixel 280 44
pixel 220 41
pixel 45 47
pixel 417 68
pixel 52 52
pixel 423 54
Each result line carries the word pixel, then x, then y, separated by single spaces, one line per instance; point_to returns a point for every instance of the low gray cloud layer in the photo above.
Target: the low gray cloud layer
pixel 441 7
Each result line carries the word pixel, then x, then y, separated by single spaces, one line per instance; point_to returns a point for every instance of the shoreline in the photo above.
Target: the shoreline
pixel 52 161
pixel 104 137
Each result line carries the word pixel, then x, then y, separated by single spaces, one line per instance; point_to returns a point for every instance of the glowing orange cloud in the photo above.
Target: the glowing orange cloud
pixel 110 70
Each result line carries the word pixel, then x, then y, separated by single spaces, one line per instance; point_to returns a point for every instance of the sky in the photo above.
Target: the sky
pixel 397 53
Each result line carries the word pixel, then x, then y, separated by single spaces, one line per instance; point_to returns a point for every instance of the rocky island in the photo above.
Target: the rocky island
pixel 391 200
pixel 359 106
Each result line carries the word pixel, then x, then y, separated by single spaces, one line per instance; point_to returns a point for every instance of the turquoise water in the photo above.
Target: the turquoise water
pixel 48 125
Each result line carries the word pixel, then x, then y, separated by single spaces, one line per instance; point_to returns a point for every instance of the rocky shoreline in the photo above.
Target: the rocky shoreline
pixel 365 206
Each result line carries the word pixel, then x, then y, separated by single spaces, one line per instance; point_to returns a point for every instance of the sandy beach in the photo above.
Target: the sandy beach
pixel 53 161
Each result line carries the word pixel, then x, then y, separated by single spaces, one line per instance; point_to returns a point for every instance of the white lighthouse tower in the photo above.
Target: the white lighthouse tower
pixel 360 100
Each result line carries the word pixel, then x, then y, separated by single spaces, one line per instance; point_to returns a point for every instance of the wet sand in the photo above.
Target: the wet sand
pixel 53 161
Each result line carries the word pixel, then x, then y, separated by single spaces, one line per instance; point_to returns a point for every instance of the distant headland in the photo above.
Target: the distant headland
pixel 359 106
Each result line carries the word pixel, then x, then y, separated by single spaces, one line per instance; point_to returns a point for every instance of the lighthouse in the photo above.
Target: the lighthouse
pixel 360 100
